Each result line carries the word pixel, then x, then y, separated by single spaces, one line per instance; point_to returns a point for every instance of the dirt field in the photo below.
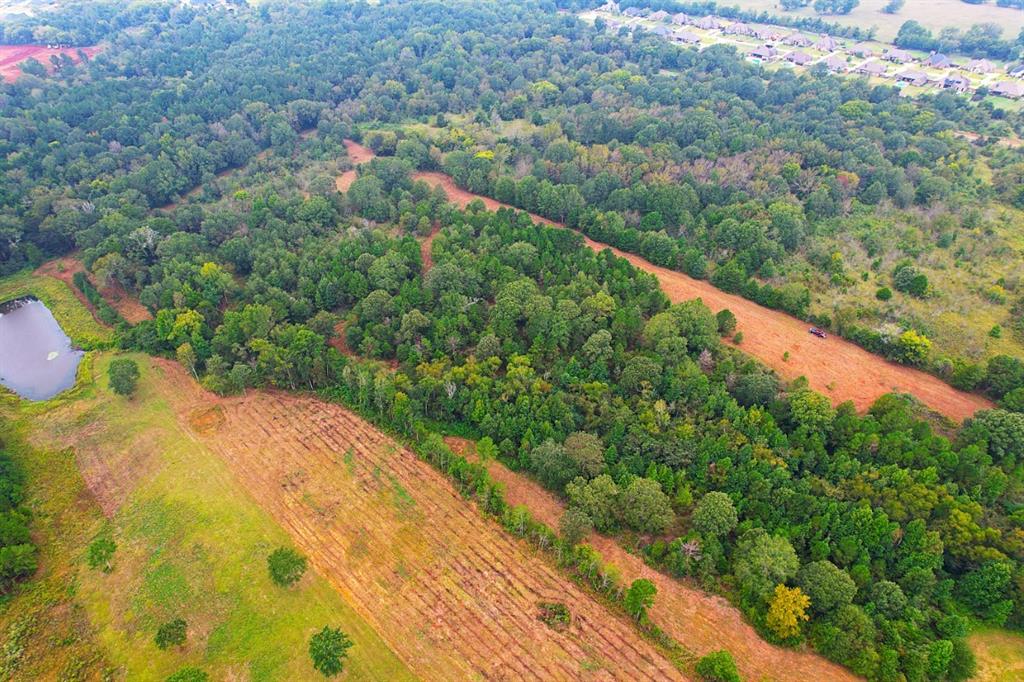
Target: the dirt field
pixel 12 55
pixel 451 593
pixel 120 300
pixel 699 621
pixel 357 154
pixel 1000 655
pixel 835 367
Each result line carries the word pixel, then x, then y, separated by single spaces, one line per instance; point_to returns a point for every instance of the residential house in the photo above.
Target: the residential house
pixel 1016 70
pixel 957 82
pixel 912 77
pixel 863 50
pixel 738 29
pixel 661 31
pixel 798 40
pixel 827 44
pixel 660 15
pixel 799 58
pixel 898 56
pixel 686 37
pixel 611 7
pixel 938 60
pixel 836 64
pixel 632 12
pixel 980 66
pixel 680 19
pixel 1010 89
pixel 873 68
pixel 708 23
pixel 764 52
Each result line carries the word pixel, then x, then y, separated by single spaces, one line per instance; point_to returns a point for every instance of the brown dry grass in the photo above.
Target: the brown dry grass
pixel 120 300
pixel 451 592
pixel 701 622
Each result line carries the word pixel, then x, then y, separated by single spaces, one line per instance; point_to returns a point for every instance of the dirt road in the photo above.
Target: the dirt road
pixel 700 621
pixel 833 366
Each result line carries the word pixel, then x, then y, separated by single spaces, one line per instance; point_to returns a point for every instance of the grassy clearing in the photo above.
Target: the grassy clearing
pixel 76 320
pixel 190 544
pixel 1000 655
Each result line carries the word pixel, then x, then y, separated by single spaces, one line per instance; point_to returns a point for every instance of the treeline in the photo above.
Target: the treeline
pixel 81 24
pixel 18 554
pixel 980 40
pixel 104 311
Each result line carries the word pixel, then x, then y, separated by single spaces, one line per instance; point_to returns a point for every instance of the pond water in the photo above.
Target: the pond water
pixel 37 360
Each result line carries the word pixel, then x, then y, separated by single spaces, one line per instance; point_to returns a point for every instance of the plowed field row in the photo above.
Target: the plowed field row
pixel 452 593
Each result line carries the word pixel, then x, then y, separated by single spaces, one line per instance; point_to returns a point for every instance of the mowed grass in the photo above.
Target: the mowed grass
pixel 76 320
pixel 933 14
pixel 1000 655
pixel 190 544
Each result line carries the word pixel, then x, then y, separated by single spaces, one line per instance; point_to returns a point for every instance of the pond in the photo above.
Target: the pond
pixel 37 360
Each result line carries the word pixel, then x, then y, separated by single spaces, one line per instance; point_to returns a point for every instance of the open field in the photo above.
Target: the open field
pixel 838 368
pixel 932 14
pixel 190 543
pixel 1000 655
pixel 67 304
pixel 450 591
pixel 701 622
pixel 12 55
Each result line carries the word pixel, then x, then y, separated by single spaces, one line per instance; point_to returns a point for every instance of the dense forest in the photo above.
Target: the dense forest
pixel 877 538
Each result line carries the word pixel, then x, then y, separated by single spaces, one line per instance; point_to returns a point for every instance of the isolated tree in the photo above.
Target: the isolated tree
pixel 893 6
pixel 640 597
pixel 286 566
pixel 715 515
pixel 718 666
pixel 328 649
pixel 574 526
pixel 788 608
pixel 171 633
pixel 123 374
pixel 726 322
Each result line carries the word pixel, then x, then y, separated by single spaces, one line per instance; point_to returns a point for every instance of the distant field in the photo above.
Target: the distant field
pixel 13 55
pixel 191 543
pixel 933 14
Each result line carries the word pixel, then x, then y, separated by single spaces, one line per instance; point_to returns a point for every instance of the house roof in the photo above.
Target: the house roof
pixel 917 77
pixel 707 23
pixel 863 49
pixel 798 57
pixel 897 55
pixel 873 68
pixel 764 52
pixel 1008 89
pixel 939 60
pixel 980 66
pixel 659 15
pixel 686 37
pixel 956 79
pixel 797 40
pixel 680 18
pixel 827 43
pixel 836 63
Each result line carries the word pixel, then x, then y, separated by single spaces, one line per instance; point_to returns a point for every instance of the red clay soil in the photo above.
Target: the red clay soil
pixel 833 366
pixel 453 594
pixel 701 622
pixel 12 55
pixel 426 246
pixel 357 154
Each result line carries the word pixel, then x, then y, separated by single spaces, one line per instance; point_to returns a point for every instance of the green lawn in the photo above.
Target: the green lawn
pixel 190 544
pixel 76 320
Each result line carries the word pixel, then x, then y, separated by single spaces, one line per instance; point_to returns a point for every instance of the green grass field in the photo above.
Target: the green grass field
pixel 77 322
pixel 190 544
pixel 933 14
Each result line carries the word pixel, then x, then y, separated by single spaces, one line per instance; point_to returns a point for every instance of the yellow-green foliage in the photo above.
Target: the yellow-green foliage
pixel 190 543
pixel 76 320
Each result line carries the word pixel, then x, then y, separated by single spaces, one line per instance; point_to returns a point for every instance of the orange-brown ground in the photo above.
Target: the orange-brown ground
pixel 452 593
pixel 701 622
pixel 357 154
pixel 833 366
pixel 426 249
pixel 12 55
pixel 120 300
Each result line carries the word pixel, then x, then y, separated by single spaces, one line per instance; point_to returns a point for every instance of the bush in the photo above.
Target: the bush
pixel 101 553
pixel 554 614
pixel 171 633
pixel 188 674
pixel 329 649
pixel 883 294
pixel 286 566
pixel 726 322
pixel 718 666
pixel 124 376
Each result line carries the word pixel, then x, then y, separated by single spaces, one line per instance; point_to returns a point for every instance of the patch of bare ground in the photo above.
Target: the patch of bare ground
pixel 451 592
pixel 426 249
pixel 357 154
pixel 701 622
pixel 120 300
pixel 835 367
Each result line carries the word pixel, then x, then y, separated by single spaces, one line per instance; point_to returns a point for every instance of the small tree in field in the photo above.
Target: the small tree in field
pixel 171 633
pixel 124 375
pixel 286 566
pixel 329 649
pixel 640 597
pixel 718 666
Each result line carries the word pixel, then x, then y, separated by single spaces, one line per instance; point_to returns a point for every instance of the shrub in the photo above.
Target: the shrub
pixel 718 666
pixel 883 294
pixel 171 633
pixel 188 674
pixel 286 566
pixel 101 553
pixel 554 614
pixel 726 322
pixel 124 375
pixel 328 649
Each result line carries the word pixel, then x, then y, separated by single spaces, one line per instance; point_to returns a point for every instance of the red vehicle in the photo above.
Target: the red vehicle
pixel 818 332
